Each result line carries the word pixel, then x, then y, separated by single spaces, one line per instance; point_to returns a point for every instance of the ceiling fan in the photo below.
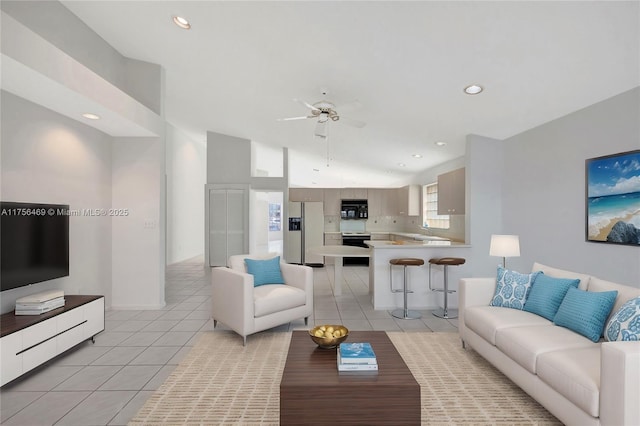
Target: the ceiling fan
pixel 325 111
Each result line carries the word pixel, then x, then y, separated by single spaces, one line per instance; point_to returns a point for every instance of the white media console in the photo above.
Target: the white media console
pixel 28 341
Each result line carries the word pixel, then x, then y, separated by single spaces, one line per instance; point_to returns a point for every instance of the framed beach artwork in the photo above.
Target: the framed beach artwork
pixel 613 198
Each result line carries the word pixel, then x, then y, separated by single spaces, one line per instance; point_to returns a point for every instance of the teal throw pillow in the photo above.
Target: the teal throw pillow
pixel 546 295
pixel 512 288
pixel 585 312
pixel 625 323
pixel 265 271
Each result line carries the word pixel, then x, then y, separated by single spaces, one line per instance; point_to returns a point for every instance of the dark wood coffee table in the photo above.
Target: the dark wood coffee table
pixel 313 392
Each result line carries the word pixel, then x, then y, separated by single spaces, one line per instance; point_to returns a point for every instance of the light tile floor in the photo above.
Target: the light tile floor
pixel 106 383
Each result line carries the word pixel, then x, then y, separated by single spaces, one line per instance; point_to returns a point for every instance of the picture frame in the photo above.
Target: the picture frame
pixel 613 199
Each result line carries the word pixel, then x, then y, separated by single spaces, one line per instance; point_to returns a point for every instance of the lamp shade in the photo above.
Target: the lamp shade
pixel 504 246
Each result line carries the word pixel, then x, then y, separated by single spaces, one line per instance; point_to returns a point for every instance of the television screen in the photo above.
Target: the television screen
pixel 34 243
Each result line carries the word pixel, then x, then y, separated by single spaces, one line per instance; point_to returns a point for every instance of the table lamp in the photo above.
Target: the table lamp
pixel 504 246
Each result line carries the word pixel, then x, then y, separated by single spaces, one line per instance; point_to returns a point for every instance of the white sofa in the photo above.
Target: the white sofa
pixel 578 381
pixel 247 309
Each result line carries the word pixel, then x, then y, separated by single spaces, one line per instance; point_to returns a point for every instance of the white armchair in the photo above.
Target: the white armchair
pixel 247 309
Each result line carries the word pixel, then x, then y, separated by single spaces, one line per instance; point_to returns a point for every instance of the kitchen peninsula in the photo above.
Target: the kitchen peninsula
pixel 417 276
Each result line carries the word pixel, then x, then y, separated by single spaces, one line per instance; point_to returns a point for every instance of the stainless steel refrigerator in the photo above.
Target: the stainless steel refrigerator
pixel 305 230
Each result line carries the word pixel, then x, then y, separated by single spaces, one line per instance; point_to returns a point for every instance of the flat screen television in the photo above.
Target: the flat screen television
pixel 34 243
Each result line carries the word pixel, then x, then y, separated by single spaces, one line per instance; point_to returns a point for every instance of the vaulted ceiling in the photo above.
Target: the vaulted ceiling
pixel 242 64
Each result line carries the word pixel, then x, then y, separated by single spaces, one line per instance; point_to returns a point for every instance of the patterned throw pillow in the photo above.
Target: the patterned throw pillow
pixel 265 271
pixel 625 324
pixel 547 294
pixel 585 312
pixel 512 288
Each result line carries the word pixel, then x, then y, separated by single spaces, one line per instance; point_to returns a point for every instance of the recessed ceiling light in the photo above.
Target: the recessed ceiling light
pixel 316 170
pixel 473 89
pixel 440 143
pixel 416 155
pixel 402 165
pixel 91 116
pixel 181 22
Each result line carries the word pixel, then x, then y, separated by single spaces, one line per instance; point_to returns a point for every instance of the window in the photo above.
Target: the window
pixel 430 216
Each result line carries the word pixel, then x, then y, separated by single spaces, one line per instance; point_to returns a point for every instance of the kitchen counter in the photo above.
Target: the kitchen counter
pixel 397 245
pixel 422 297
pixel 339 252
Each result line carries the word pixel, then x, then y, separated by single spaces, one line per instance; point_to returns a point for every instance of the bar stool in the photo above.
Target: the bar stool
pixel 446 262
pixel 404 313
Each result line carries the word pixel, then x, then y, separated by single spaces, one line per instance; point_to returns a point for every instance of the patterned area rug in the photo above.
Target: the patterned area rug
pixel 222 382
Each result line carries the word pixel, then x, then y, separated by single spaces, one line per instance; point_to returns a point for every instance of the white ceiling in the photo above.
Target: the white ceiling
pixel 241 65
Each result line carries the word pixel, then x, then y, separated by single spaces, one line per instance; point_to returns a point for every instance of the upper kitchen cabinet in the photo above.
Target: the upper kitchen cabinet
pixel 332 199
pixel 409 200
pixel 353 193
pixel 306 194
pixel 383 201
pixel 451 192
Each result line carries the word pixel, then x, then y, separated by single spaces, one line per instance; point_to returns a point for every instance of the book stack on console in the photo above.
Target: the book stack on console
pixel 40 303
pixel 356 357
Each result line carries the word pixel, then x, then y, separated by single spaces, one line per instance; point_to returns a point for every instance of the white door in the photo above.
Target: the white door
pixel 227 225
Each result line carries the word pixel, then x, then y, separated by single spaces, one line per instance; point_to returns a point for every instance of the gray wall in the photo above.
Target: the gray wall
pixel 544 188
pixel 49 158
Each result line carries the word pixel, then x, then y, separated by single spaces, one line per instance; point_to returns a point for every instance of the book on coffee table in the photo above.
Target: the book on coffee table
pixel 342 366
pixel 357 353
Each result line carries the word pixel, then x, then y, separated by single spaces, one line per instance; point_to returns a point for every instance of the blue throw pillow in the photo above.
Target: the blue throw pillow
pixel 585 312
pixel 625 323
pixel 265 271
pixel 546 295
pixel 512 288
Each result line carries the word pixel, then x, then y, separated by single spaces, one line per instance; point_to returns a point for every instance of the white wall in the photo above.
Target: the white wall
pixel 544 188
pixel 138 251
pixel 186 177
pixel 49 158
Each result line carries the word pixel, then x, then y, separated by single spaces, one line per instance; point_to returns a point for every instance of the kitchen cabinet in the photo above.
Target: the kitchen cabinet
pixel 383 202
pixel 353 193
pixel 451 192
pixel 409 200
pixel 306 194
pixel 332 200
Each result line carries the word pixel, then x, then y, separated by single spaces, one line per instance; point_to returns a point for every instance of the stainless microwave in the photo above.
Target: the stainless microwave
pixel 354 209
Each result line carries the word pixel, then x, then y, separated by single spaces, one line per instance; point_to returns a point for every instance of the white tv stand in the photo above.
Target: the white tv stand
pixel 27 341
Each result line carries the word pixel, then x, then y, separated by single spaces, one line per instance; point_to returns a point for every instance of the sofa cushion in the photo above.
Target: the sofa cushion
pixel 512 288
pixel 486 320
pixel 546 295
pixel 561 273
pixel 575 374
pixel 237 263
pixel 271 298
pixel 585 312
pixel 265 271
pixel 625 323
pixel 525 344
pixel 625 292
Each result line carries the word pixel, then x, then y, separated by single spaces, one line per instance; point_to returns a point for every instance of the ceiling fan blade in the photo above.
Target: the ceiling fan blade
pixel 351 122
pixel 321 129
pixel 304 117
pixel 307 104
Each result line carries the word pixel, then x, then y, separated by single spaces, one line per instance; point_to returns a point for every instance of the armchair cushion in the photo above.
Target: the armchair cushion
pixel 271 298
pixel 265 271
